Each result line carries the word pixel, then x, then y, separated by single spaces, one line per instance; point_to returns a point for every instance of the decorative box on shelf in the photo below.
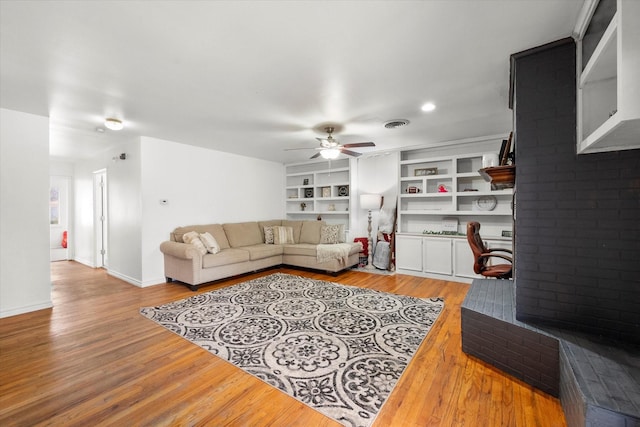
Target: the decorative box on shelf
pixel 500 177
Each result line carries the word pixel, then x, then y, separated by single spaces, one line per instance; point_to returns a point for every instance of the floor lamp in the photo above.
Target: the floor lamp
pixel 370 202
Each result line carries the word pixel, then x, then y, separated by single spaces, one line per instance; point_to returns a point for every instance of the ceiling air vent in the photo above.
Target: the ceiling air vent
pixel 392 124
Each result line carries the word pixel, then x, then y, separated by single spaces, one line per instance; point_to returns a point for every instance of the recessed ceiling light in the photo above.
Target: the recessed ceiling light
pixel 429 106
pixel 113 124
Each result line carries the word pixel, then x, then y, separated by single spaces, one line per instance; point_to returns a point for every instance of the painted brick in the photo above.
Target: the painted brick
pixel 573 211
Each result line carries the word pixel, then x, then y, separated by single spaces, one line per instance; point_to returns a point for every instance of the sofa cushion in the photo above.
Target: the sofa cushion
pixel 243 234
pixel 193 238
pixel 225 257
pixel 296 225
pixel 306 249
pixel 263 251
pixel 263 224
pixel 283 235
pixel 215 230
pixel 310 232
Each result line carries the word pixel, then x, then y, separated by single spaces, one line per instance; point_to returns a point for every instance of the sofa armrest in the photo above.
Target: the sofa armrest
pixel 179 250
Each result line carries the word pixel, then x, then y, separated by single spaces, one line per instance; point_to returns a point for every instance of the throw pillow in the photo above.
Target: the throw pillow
pixel 342 238
pixel 268 235
pixel 329 234
pixel 193 238
pixel 210 243
pixel 282 235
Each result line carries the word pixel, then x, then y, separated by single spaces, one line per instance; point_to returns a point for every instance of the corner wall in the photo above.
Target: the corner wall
pixel 200 186
pixel 577 216
pixel 25 278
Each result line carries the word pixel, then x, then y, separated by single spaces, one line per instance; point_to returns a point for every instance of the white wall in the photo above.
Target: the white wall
pixel 25 279
pixel 376 175
pixel 125 217
pixel 82 238
pixel 124 210
pixel 201 186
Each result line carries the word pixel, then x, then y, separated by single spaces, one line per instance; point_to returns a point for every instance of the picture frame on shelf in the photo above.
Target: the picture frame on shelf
pixel 326 191
pixel 343 190
pixel 425 171
pixel 308 193
pixel 505 149
pixel 305 181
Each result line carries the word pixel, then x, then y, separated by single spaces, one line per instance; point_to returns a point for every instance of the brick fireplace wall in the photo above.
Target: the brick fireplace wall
pixel 577 242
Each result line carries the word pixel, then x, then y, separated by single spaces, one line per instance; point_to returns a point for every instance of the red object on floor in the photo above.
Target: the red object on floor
pixel 365 244
pixel 64 239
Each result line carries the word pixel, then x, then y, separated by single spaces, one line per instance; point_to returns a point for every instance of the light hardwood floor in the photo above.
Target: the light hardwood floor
pixel 94 360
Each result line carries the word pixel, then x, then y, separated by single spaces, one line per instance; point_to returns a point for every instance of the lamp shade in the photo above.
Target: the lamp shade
pixel 370 201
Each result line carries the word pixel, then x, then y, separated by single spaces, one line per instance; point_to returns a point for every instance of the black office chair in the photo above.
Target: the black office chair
pixel 481 255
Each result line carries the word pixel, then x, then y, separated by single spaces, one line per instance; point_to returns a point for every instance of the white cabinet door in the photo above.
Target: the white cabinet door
pixel 437 255
pixel 409 253
pixel 463 259
pixel 494 244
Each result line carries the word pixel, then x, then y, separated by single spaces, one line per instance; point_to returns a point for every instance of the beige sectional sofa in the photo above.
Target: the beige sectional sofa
pixel 244 248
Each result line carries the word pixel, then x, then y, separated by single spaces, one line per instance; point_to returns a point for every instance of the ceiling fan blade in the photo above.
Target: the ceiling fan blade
pixel 350 153
pixel 359 144
pixel 315 155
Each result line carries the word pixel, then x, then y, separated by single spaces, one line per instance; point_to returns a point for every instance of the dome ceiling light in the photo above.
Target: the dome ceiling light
pixel 113 124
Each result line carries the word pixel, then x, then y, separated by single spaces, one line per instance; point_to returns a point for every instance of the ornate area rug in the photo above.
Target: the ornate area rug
pixel 338 349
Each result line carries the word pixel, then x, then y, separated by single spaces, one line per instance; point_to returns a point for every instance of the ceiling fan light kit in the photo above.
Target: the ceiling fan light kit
pixel 330 153
pixel 330 148
pixel 113 124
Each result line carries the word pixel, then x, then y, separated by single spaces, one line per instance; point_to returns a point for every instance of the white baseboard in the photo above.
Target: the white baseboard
pixel 154 282
pixel 86 262
pixel 26 309
pixel 125 278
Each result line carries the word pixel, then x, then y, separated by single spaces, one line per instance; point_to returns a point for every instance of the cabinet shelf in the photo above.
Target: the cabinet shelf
pixel 608 102
pixel 428 208
pixel 602 64
pixel 319 178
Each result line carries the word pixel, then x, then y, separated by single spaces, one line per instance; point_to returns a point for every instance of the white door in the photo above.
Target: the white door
pixel 409 253
pixel 463 259
pixel 100 217
pixel 499 244
pixel 437 255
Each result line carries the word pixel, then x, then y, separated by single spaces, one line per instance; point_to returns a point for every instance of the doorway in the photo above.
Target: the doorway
pixel 58 217
pixel 100 222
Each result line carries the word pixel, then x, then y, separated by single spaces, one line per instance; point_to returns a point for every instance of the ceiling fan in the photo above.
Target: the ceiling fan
pixel 330 148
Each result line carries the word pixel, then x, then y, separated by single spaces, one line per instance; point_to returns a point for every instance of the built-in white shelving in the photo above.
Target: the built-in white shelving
pixel 320 188
pixel 608 84
pixel 438 190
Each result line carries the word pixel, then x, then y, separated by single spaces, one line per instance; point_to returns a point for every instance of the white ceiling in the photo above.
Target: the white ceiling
pixel 256 77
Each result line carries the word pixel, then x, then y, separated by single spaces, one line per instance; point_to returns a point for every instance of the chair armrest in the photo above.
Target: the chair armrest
pixel 179 250
pixel 509 251
pixel 490 255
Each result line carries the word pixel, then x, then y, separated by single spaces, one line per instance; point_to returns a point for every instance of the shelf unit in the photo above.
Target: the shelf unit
pixel 424 208
pixel 323 186
pixel 455 189
pixel 608 66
